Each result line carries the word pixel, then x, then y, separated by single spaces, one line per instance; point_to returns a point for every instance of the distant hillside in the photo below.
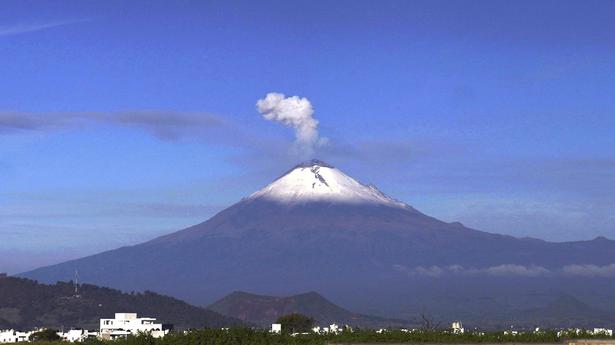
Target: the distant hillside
pixel 25 304
pixel 264 310
pixel 568 311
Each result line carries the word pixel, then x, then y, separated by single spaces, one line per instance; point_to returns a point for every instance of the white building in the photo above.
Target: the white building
pixel 457 327
pixel 568 332
pixel 603 331
pixel 334 328
pixel 77 335
pixel 276 328
pixel 126 324
pixel 13 336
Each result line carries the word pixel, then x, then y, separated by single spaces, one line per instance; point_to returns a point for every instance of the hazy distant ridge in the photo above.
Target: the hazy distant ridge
pixel 263 310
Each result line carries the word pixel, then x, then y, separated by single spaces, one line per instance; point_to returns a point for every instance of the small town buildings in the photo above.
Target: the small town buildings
pixel 125 324
pixel 333 328
pixel 13 336
pixel 603 331
pixel 77 335
pixel 73 335
pixel 122 325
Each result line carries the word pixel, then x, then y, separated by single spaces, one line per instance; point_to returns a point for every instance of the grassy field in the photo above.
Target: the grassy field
pixel 242 336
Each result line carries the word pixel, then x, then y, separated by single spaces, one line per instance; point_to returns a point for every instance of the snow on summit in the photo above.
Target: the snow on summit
pixel 317 181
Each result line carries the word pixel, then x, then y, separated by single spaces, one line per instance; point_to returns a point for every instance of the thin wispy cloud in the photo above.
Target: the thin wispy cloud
pixel 169 126
pixel 166 125
pixel 499 270
pixel 607 271
pixel 22 28
pixel 509 270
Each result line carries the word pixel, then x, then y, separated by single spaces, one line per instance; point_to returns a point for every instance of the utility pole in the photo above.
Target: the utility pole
pixel 76 284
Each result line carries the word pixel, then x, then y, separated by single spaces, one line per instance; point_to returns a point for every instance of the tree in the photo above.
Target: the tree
pixel 46 334
pixel 428 323
pixel 295 323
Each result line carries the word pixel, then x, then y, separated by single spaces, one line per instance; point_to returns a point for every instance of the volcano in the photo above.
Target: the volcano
pixel 318 229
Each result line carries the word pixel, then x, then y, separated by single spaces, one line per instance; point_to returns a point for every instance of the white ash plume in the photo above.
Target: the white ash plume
pixel 295 112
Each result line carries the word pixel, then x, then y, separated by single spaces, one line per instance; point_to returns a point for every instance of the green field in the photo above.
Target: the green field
pixel 245 336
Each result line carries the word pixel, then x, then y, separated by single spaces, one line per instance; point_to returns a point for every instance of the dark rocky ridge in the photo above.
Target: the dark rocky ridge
pixel 25 304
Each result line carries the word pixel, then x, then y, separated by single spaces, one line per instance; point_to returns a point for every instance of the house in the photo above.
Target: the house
pixel 457 327
pixel 125 324
pixel 276 328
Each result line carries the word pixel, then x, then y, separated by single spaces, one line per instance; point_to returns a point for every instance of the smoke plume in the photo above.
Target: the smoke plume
pixel 293 112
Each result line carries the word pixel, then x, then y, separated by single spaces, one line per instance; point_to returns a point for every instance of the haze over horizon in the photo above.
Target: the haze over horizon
pixel 120 122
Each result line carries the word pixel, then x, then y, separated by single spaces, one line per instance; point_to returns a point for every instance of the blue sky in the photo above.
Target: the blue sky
pixel 121 121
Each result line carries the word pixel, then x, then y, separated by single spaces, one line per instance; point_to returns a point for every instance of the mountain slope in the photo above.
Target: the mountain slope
pixel 25 304
pixel 567 311
pixel 318 229
pixel 264 310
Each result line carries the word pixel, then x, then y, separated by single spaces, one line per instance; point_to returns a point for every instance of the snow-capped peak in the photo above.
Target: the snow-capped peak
pixel 318 181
